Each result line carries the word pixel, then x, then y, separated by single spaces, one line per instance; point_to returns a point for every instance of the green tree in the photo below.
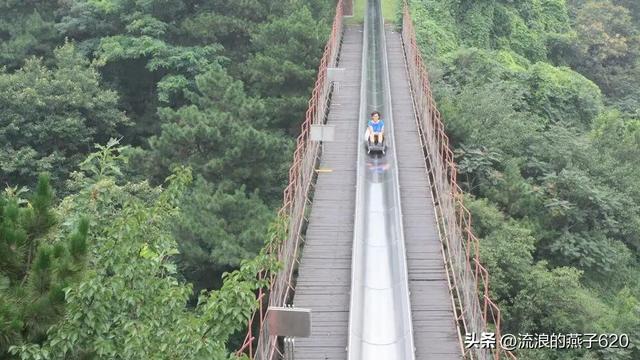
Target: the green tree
pixel 140 53
pixel 130 303
pixel 26 29
pixel 240 167
pixel 632 5
pixel 283 66
pixel 217 229
pixel 507 249
pixel 151 51
pixel 219 140
pixel 37 261
pixel 50 117
pixel 554 301
pixel 609 46
pixel 437 19
pixel 563 95
pixel 606 33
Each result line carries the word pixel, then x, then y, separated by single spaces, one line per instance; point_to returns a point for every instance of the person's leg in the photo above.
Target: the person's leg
pixel 381 137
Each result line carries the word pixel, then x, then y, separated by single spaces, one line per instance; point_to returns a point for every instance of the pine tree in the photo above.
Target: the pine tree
pixel 35 265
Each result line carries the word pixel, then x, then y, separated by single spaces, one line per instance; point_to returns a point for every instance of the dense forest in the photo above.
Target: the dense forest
pixel 144 146
pixel 542 104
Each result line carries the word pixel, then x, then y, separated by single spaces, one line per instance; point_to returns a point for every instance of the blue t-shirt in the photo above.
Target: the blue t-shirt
pixel 377 127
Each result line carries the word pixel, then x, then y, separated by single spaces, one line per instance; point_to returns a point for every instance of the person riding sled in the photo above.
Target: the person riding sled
pixel 375 129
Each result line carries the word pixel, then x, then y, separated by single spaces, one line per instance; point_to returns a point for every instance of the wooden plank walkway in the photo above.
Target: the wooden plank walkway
pixel 324 276
pixel 434 328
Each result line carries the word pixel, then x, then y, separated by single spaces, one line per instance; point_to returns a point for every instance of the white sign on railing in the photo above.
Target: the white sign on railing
pixel 321 132
pixel 289 321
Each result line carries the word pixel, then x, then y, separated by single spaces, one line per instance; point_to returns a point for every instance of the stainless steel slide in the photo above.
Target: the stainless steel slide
pixel 380 313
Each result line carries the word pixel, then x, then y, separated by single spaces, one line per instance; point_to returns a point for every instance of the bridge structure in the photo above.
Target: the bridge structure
pixel 380 248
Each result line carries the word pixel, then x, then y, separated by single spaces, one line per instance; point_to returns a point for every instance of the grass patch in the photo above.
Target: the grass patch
pixel 389 11
pixel 358 13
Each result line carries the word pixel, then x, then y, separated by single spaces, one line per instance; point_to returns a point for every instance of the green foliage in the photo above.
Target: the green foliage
pixel 483 115
pixel 152 51
pixel 217 137
pixel 129 304
pixel 607 49
pixel 226 135
pixel 51 117
pixel 26 29
pixel 39 216
pixel 608 258
pixel 624 317
pixel 606 32
pixel 562 95
pixel 232 24
pixel 555 301
pixel 632 6
pixel 472 66
pixel 435 27
pixel 35 265
pixel 390 9
pixel 552 165
pixel 525 27
pixel 516 195
pixel 181 68
pixel 514 33
pixel 283 67
pixel 167 70
pixel 548 15
pixel 541 92
pixel 476 23
pixel 507 249
pixel 217 229
pixel 533 26
pixel 178 70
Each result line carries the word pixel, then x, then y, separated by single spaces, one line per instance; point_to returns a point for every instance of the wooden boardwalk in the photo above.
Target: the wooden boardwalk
pixel 434 328
pixel 324 276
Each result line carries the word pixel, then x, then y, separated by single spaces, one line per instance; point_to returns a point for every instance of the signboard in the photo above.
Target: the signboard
pixel 289 321
pixel 335 74
pixel 321 132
